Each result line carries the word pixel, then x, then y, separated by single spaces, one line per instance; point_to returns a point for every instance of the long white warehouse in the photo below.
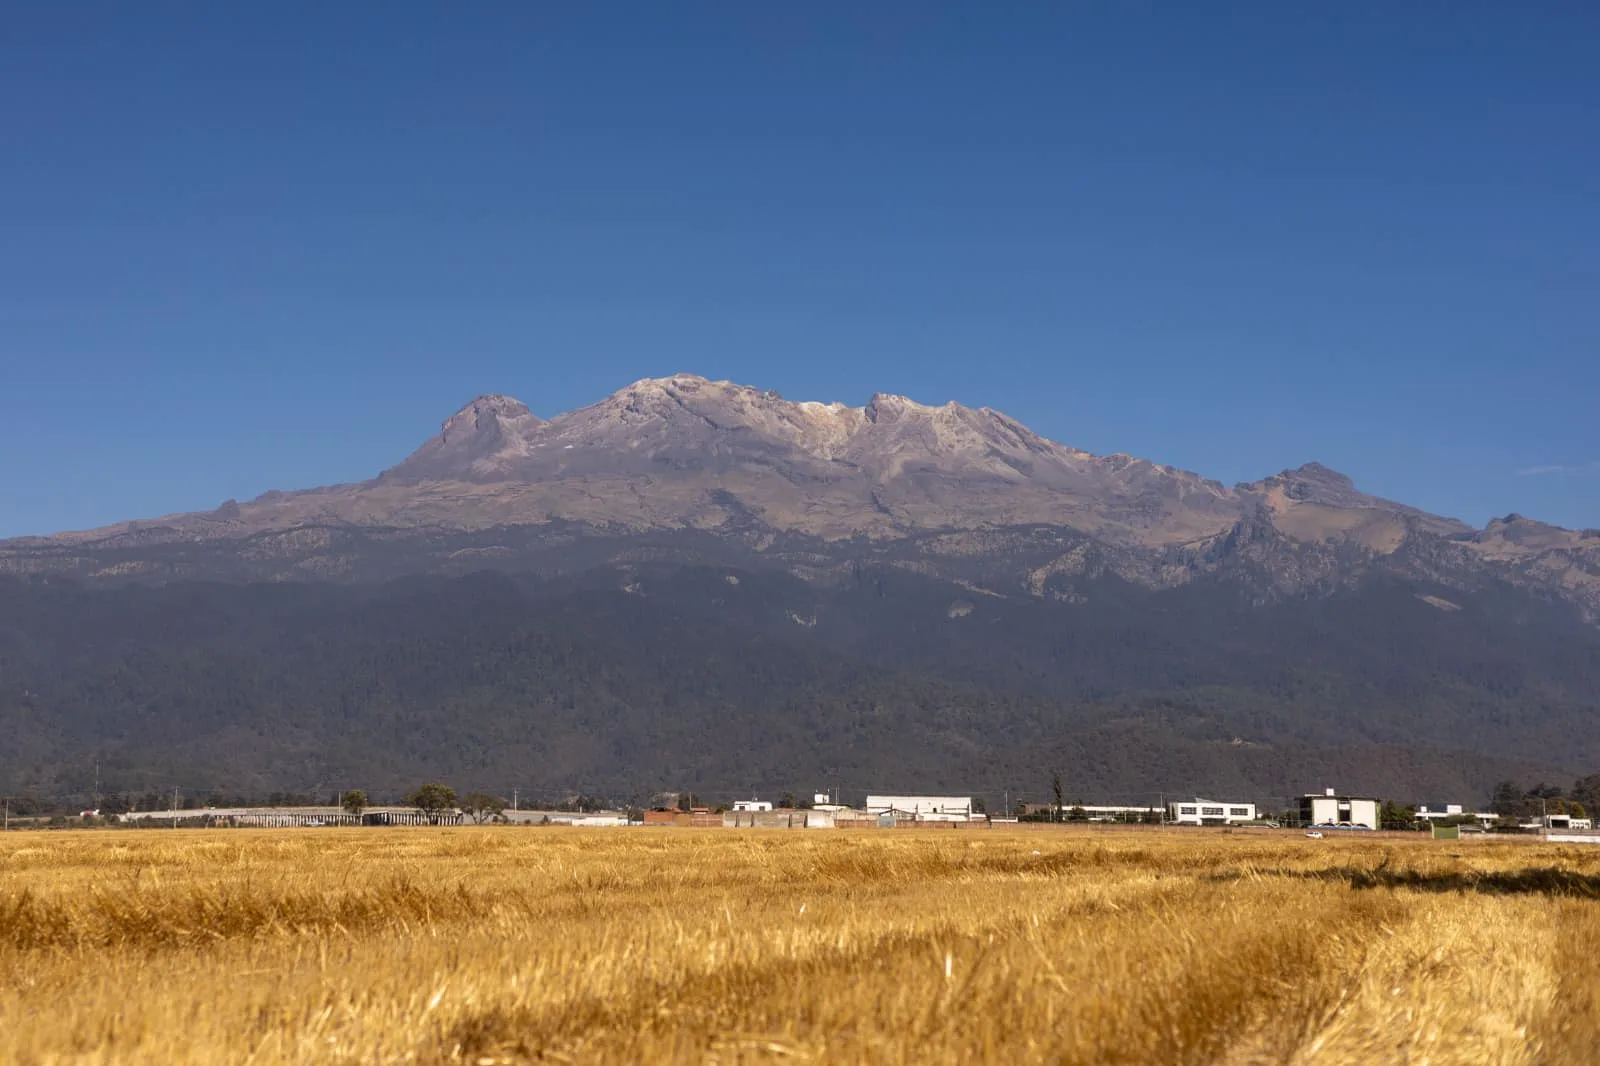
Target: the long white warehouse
pixel 924 808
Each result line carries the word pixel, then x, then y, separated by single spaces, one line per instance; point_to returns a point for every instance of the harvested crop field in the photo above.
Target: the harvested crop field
pixel 519 945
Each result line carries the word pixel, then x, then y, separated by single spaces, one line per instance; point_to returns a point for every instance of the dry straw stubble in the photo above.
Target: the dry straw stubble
pixel 668 946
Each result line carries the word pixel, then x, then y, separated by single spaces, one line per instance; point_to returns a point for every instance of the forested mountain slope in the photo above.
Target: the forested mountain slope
pixel 724 681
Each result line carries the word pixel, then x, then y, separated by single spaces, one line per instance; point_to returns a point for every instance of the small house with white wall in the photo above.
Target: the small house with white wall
pixel 752 805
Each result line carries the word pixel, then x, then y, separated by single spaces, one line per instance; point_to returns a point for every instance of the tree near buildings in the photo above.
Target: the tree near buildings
pixel 354 801
pixel 1507 799
pixel 433 799
pixel 481 806
pixel 1586 791
pixel 1393 815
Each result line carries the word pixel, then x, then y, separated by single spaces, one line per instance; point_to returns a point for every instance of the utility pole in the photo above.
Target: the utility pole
pixel 174 806
pixel 513 799
pixel 96 804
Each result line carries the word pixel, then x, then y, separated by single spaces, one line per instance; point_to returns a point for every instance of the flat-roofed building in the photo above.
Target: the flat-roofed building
pixel 1210 812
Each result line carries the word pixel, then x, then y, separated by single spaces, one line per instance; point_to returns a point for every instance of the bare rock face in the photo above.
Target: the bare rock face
pixel 684 454
pixel 1328 503
pixel 1564 561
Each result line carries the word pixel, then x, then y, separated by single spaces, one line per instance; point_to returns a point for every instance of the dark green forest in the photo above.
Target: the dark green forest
pixel 627 681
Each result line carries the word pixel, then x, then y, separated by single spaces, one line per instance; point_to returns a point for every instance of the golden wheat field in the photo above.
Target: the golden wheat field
pixel 520 945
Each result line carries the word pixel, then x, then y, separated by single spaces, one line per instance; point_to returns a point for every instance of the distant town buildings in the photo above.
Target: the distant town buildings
pixel 1327 809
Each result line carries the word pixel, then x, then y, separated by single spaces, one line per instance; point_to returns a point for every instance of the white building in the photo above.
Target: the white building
pixel 1330 808
pixel 1209 812
pixel 751 805
pixel 1567 821
pixel 1455 810
pixel 1113 813
pixel 923 808
pixel 592 820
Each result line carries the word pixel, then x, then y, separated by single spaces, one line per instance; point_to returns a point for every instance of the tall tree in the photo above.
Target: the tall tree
pixel 1507 799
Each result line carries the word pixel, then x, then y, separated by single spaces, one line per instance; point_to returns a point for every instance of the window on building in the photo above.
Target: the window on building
pixel 1186 810
pixel 1211 812
pixel 1238 812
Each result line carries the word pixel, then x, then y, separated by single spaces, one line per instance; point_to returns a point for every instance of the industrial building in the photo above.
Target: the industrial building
pixel 922 808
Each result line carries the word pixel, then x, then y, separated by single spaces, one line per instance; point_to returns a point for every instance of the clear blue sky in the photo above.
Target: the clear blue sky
pixel 243 250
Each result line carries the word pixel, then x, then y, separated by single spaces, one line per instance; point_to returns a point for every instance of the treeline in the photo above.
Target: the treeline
pixel 1511 800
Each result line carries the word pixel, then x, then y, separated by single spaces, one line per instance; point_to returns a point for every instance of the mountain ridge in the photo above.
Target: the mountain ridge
pixel 683 452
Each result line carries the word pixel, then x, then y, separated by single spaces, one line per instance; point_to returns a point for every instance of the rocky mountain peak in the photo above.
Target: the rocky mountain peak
pixel 1526 532
pixel 888 406
pixel 486 413
pixel 1313 483
pixel 474 440
pixel 1320 474
pixel 1298 496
